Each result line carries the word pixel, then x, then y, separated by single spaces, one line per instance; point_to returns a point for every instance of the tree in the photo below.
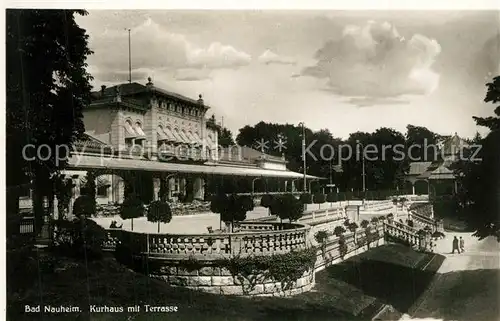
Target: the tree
pixel 47 87
pixel 319 198
pixel 159 212
pixel 132 208
pixel 479 177
pixel 287 207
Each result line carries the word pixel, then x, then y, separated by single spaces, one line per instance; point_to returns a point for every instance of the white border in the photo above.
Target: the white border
pixel 265 4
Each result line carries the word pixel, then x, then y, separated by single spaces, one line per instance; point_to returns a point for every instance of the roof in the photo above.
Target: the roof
pixel 418 168
pixel 131 89
pixel 442 172
pixel 453 145
pixel 95 162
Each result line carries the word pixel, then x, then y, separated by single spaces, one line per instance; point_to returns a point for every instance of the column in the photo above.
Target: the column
pixel 198 189
pixel 156 188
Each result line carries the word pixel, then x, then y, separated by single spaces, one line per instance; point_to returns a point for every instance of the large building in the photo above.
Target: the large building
pixel 160 145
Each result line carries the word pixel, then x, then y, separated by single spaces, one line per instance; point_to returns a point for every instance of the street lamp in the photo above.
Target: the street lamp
pixel 304 154
pixel 363 172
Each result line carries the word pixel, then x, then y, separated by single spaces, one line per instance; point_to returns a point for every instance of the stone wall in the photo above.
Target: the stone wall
pixel 218 280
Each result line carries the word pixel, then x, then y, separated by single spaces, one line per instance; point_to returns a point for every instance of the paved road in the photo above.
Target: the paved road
pixel 467 284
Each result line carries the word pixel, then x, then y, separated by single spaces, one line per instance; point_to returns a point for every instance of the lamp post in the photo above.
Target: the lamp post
pixel 304 154
pixel 363 174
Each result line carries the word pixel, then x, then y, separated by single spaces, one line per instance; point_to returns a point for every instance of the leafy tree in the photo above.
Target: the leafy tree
pixel 479 177
pixel 132 207
pixel 47 87
pixel 235 210
pixel 339 230
pixel 159 212
pixel 84 206
pixel 287 207
pixel 319 198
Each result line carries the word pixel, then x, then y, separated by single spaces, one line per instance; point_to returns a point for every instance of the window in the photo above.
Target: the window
pixel 102 191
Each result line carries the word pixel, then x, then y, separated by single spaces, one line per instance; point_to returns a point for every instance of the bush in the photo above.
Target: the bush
pixel 306 198
pixel 132 208
pixel 353 226
pixel 339 230
pixel 159 212
pixel 287 207
pixel 266 200
pixel 80 238
pixel 319 198
pixel 321 237
pixel 437 234
pixel 247 202
pixel 331 197
pixel 85 206
pixel 365 223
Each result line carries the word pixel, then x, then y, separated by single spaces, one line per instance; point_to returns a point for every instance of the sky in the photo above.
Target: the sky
pixel 344 71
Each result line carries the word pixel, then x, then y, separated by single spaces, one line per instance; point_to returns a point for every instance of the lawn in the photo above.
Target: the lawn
pixel 343 292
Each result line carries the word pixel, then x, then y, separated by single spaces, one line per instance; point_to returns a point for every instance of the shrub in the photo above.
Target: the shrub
pixel 353 226
pixel 319 198
pixel 339 230
pixel 159 212
pixel 331 197
pixel 266 200
pixel 306 198
pixel 80 238
pixel 85 206
pixel 247 202
pixel 287 207
pixel 321 237
pixel 364 223
pixel 132 208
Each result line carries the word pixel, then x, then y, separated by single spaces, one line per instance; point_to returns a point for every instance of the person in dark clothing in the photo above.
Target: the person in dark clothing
pixel 455 246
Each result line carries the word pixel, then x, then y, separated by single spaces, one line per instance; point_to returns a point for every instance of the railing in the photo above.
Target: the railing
pixel 247 242
pixel 402 232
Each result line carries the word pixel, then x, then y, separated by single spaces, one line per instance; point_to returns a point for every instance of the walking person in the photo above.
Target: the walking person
pixel 455 246
pixel 462 244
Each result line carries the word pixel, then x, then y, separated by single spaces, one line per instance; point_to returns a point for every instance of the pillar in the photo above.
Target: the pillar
pixel 156 188
pixel 198 189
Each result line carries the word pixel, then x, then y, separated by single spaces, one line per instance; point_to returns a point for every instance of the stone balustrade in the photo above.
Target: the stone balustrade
pixel 402 232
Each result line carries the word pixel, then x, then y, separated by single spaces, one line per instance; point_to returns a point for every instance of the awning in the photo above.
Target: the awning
pixel 140 133
pixel 161 136
pixel 177 136
pixel 98 162
pixel 184 137
pixel 169 134
pixel 193 139
pixel 129 131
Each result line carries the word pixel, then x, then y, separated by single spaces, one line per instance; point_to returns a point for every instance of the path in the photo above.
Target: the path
pixel 466 286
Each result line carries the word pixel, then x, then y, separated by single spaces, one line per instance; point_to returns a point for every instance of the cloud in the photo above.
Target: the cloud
pixel 192 74
pixel 154 47
pixel 376 61
pixel 369 102
pixel 269 57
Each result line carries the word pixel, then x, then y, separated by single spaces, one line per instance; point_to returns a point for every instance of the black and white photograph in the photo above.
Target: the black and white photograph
pixel 252 164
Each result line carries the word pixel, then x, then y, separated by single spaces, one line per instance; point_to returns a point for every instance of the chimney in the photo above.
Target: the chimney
pixel 103 88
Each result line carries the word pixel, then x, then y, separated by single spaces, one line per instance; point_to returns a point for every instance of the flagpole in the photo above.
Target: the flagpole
pixel 129 59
